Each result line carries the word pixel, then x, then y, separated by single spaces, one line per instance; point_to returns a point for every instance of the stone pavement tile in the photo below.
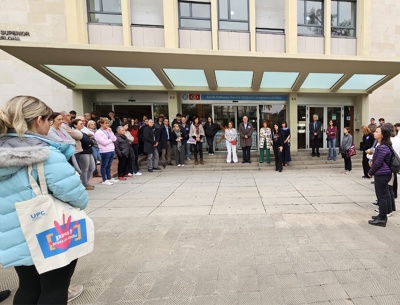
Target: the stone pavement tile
pixel 284 268
pixel 250 298
pixel 293 296
pixel 236 209
pixel 248 284
pixel 358 290
pixel 344 264
pixel 316 191
pixel 239 183
pixel 364 301
pixel 278 193
pixel 97 203
pixel 335 292
pixel 315 294
pixel 227 285
pixel 134 202
pixel 311 266
pixel 187 210
pixel 270 200
pixel 126 212
pixel 387 300
pixel 230 298
pixel 187 201
pixel 160 301
pixel 271 296
pixel 338 208
pixel 329 199
pixel 341 302
pixel 236 195
pixel 291 209
pixel 205 287
pixel 237 189
pixel 203 300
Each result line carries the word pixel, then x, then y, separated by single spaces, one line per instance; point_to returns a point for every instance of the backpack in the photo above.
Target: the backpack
pixel 394 161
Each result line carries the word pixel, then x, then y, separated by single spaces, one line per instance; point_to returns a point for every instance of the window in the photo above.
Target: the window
pixel 310 17
pixel 194 15
pixel 343 18
pixel 147 12
pixel 104 11
pixel 234 15
pixel 270 16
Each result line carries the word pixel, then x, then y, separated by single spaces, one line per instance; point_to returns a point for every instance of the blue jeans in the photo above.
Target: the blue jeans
pixel 187 149
pixel 106 161
pixel 332 149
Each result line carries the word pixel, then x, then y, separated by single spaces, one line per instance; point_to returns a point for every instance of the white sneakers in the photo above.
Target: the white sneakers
pixel 107 182
pixel 74 292
pixel 138 174
pixel 112 180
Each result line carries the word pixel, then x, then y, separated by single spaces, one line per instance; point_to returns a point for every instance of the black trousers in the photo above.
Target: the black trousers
pixel 365 164
pixel 210 144
pixel 347 162
pixel 198 149
pixel 382 194
pixel 278 158
pixel 47 288
pixel 246 153
pixel 136 157
pixel 123 166
pixel 315 146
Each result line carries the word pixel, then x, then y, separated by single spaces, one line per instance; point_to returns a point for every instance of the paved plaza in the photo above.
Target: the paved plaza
pixel 237 237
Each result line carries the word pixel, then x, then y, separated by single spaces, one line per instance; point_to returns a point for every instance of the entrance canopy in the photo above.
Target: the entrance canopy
pixel 91 67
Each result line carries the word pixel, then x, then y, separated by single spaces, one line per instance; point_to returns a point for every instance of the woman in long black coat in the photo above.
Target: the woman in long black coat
pixel 278 139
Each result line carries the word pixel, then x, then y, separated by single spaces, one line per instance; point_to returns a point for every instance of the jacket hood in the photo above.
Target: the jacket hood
pixel 16 152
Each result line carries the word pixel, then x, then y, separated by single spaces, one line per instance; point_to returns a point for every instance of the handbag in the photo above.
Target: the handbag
pixel 351 151
pixel 191 141
pixel 56 232
pixel 234 142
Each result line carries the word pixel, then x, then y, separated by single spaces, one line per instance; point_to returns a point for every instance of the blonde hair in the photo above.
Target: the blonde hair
pixel 20 113
pixel 103 120
pixel 91 122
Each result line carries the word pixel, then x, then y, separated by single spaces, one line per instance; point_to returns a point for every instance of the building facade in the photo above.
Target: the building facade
pixel 270 60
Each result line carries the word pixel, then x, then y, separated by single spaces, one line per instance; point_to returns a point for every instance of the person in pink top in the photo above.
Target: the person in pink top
pixel 105 139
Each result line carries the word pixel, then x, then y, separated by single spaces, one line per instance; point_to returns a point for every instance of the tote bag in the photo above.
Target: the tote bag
pixel 56 232
pixel 191 141
pixel 351 151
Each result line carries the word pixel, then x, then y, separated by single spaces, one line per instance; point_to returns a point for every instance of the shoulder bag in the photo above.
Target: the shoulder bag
pixel 56 232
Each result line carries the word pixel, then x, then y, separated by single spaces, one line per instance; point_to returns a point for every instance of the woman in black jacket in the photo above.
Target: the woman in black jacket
pixel 367 143
pixel 210 130
pixel 278 139
pixel 122 149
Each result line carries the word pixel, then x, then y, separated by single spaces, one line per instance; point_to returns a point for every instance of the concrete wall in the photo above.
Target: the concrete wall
pixel 45 21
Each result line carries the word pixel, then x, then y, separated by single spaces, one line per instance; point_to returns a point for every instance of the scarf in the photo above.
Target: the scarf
pixel 178 143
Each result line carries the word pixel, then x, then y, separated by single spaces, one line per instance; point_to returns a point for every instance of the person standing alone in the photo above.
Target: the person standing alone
pixel 315 135
pixel 246 131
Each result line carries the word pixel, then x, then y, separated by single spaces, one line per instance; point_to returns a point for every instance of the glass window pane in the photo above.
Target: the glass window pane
pixel 184 9
pixel 94 5
pixel 334 13
pixel 310 30
pixel 321 80
pixel 234 79
pixel 346 14
pixel 187 77
pixel 80 75
pixel 106 18
pixel 278 80
pixel 343 32
pixel 112 6
pixel 223 9
pixel 300 12
pixel 136 76
pixel 201 10
pixel 203 111
pixel 239 10
pixel 235 26
pixel 195 24
pixel 361 81
pixel 314 13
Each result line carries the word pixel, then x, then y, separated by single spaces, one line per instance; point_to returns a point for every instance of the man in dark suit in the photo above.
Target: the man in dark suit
pixel 315 135
pixel 165 143
pixel 150 145
pixel 246 131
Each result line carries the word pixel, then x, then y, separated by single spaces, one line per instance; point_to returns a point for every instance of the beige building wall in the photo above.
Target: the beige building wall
pixel 45 22
pixel 385 37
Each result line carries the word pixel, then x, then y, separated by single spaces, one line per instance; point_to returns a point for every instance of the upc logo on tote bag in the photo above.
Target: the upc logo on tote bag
pixel 59 239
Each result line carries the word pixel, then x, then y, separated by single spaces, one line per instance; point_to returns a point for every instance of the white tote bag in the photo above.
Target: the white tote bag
pixel 56 232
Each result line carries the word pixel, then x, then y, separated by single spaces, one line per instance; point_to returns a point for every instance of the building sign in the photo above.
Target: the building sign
pixel 13 35
pixel 232 97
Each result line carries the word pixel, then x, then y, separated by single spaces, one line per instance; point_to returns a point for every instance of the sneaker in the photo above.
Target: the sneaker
pixel 375 203
pixel 138 174
pixel 74 292
pixel 113 180
pixel 89 187
pixel 156 169
pixel 122 178
pixel 107 182
pixel 183 164
pixel 128 175
pixel 179 165
pixel 98 162
pixel 347 172
pixel 390 214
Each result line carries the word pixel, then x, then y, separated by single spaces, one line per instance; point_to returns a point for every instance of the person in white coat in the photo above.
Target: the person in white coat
pixel 231 143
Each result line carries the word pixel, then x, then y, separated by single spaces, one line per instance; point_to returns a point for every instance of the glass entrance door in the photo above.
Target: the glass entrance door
pixel 335 114
pixel 224 114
